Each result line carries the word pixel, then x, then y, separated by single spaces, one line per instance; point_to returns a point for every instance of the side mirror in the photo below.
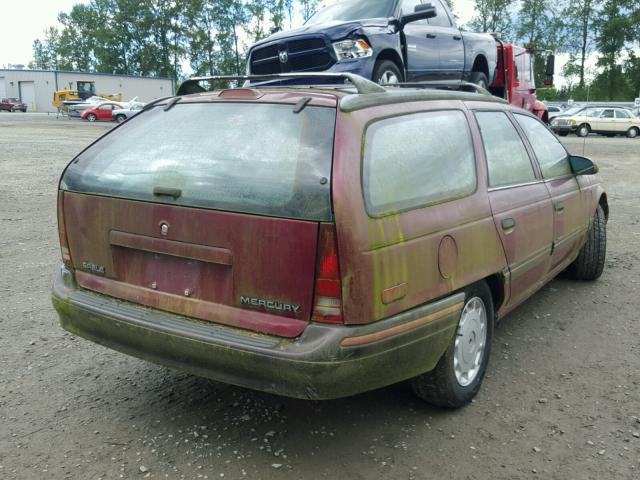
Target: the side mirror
pixel 582 165
pixel 421 12
pixel 548 75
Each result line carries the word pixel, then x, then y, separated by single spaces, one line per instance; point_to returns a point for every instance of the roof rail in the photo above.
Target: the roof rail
pixel 441 84
pixel 361 84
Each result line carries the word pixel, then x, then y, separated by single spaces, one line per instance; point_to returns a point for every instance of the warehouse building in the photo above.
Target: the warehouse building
pixel 36 87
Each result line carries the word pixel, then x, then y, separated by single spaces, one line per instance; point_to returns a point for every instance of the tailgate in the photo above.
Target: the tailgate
pixel 244 270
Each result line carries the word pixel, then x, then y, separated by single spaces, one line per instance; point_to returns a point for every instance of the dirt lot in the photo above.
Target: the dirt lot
pixel 561 401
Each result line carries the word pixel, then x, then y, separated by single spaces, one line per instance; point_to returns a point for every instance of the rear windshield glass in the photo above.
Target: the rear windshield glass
pixel 251 158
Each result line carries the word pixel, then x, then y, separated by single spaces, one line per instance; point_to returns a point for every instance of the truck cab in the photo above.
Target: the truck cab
pixel 387 41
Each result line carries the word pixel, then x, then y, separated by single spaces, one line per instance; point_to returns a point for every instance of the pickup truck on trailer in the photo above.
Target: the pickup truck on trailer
pixel 387 41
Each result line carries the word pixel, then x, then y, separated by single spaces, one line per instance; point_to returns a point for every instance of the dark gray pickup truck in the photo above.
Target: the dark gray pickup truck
pixel 388 41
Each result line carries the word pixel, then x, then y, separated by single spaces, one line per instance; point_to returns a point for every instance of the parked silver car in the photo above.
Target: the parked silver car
pixel 125 113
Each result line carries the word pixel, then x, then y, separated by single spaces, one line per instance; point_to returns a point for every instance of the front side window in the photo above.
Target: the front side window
pixel 551 155
pixel 441 19
pixel 507 159
pixel 416 160
pixel 607 114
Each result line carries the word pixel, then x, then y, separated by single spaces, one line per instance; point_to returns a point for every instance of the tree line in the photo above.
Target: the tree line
pixel 157 37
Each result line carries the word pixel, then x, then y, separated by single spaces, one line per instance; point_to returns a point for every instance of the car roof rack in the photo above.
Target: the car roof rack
pixel 442 85
pixel 361 84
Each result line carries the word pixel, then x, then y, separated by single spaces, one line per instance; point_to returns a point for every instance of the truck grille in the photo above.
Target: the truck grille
pixel 307 54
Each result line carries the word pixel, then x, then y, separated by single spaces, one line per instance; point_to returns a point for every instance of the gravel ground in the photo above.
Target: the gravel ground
pixel 561 399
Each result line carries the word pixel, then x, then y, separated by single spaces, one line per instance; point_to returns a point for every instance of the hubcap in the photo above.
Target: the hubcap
pixel 633 132
pixel 388 77
pixel 470 342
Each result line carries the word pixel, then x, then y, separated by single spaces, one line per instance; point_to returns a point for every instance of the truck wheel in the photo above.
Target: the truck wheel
pixel 386 71
pixel 633 132
pixel 590 261
pixel 458 375
pixel 583 130
pixel 479 79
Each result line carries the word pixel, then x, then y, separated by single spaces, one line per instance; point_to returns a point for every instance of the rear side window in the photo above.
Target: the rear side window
pixel 507 159
pixel 241 157
pixel 551 155
pixel 416 160
pixel 622 114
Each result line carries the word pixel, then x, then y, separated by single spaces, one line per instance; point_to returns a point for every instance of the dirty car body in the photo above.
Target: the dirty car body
pixel 281 239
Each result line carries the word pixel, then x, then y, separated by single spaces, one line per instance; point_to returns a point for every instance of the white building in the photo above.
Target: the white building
pixel 36 87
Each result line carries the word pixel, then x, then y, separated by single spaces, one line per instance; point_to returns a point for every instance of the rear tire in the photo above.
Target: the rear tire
pixel 447 385
pixel 386 71
pixel 583 130
pixel 590 262
pixel 120 118
pixel 480 79
pixel 633 132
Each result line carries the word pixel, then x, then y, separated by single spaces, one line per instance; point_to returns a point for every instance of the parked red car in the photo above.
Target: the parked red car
pixel 320 242
pixel 12 105
pixel 103 112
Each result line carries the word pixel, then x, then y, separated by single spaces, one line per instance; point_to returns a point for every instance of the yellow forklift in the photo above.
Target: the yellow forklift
pixel 85 89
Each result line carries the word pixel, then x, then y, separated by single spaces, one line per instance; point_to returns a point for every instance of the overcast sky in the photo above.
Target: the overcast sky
pixel 26 20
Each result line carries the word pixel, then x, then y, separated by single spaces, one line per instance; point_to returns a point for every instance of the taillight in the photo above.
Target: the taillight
pixel 327 303
pixel 62 233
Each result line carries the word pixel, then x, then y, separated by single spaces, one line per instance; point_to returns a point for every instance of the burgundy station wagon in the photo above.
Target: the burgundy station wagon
pixel 321 241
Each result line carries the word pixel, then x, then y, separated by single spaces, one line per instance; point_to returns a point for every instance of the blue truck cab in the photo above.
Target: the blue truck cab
pixel 387 41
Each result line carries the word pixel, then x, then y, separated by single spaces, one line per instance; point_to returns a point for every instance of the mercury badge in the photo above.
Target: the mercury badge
pixel 283 56
pixel 164 228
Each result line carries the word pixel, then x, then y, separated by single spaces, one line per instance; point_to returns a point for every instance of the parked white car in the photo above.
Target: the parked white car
pixel 604 120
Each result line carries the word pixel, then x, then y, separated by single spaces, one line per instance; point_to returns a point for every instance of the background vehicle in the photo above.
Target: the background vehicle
pixel 298 279
pixel 125 113
pixel 553 111
pixel 12 105
pixel 608 121
pixel 103 112
pixel 515 81
pixel 388 41
pixel 85 89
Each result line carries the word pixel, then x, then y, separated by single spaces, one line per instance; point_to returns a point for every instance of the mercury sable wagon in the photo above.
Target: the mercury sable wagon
pixel 318 242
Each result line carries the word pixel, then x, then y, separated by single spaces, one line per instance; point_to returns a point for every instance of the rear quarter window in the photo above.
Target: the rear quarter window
pixel 417 160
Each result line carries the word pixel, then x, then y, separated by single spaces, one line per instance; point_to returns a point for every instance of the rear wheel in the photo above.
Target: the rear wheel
pixel 91 117
pixel 120 118
pixel 583 130
pixel 563 134
pixel 479 79
pixel 459 373
pixel 590 262
pixel 386 71
pixel 633 132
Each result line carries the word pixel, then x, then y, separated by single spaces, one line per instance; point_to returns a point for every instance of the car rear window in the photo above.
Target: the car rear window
pixel 416 160
pixel 241 157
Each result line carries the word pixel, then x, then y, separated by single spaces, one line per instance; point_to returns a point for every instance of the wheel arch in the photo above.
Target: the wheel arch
pixel 603 202
pixel 480 64
pixel 391 54
pixel 497 285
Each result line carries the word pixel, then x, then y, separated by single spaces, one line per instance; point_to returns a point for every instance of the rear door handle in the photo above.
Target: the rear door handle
pixel 431 35
pixel 508 224
pixel 457 37
pixel 558 206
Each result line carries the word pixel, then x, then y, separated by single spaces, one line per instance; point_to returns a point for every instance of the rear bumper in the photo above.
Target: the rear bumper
pixel 319 364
